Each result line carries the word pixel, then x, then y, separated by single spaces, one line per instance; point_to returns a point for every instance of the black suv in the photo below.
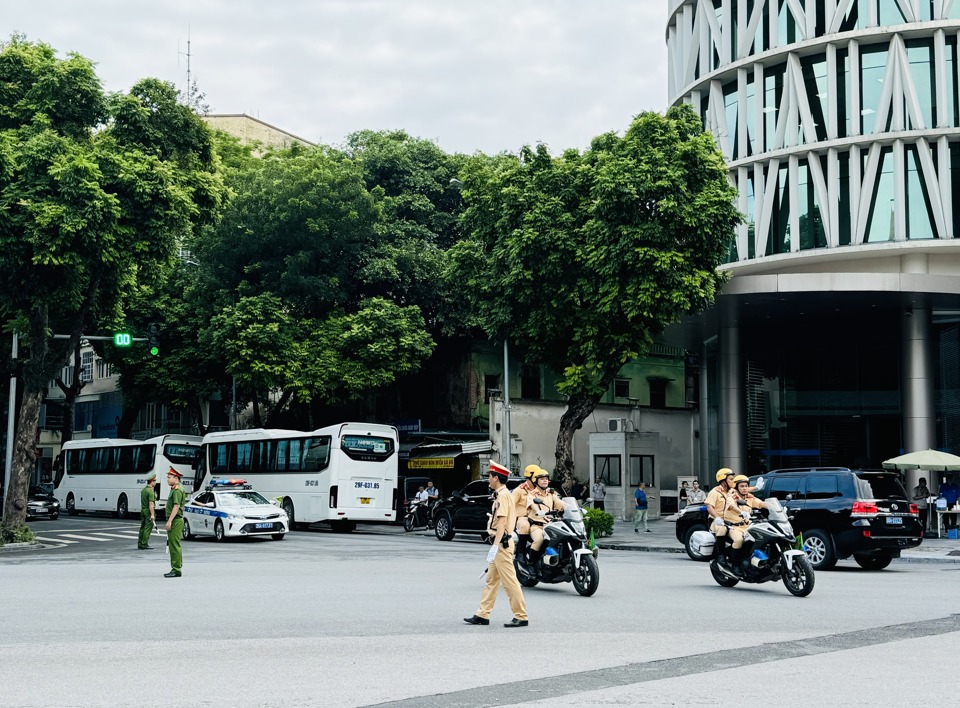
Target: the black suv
pixel 466 510
pixel 840 512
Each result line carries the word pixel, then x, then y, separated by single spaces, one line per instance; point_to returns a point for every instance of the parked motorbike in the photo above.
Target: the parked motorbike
pixel 418 514
pixel 769 554
pixel 565 554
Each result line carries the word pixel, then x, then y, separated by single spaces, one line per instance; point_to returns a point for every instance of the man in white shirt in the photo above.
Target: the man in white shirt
pixel 599 494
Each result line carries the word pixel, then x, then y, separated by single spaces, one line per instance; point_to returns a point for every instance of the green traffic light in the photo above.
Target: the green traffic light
pixel 154 351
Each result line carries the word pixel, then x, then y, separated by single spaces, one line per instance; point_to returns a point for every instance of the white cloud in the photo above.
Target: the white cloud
pixel 486 75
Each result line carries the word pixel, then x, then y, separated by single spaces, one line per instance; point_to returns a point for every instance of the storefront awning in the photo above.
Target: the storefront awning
pixel 436 456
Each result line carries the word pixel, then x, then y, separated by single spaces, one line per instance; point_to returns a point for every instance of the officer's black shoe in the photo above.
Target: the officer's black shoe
pixel 516 623
pixel 171 574
pixel 145 548
pixel 476 620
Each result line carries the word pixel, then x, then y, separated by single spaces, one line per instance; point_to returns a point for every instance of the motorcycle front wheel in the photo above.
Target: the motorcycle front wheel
pixel 408 522
pixel 586 576
pixel 722 578
pixel 799 580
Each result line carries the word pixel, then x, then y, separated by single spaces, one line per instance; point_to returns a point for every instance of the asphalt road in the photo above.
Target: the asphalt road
pixel 323 619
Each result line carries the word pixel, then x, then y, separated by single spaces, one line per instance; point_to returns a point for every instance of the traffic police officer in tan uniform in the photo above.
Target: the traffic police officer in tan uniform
pixel 501 570
pixel 537 513
pixel 736 515
pixel 717 503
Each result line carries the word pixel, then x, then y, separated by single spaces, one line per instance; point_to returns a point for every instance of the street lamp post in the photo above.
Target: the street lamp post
pixel 506 406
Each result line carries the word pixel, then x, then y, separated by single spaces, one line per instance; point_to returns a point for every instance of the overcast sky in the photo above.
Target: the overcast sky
pixel 486 75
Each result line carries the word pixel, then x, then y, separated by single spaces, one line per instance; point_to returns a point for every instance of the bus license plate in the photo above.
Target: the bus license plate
pixel 265 526
pixel 364 500
pixel 894 521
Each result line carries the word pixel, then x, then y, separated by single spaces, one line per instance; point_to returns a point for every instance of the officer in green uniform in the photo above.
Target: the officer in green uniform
pixel 148 512
pixel 175 503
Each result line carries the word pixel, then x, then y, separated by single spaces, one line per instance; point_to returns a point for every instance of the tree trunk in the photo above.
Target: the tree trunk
pixel 198 413
pixel 24 460
pixel 70 394
pixel 127 419
pixel 578 408
pixel 36 375
pixel 278 408
pixel 256 411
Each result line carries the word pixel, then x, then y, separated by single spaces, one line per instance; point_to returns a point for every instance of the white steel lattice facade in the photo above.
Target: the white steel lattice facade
pixel 839 118
pixel 840 124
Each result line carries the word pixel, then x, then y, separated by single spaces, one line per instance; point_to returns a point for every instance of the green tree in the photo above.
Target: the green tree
pixel 283 277
pixel 583 259
pixel 96 192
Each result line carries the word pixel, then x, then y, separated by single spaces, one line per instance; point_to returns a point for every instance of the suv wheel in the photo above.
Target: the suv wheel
pixel 686 544
pixel 819 548
pixel 444 527
pixel 872 562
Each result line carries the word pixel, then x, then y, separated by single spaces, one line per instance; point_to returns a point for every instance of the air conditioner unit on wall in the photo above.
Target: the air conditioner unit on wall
pixel 619 425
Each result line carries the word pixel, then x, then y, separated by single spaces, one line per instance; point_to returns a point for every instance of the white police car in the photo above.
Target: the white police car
pixel 230 507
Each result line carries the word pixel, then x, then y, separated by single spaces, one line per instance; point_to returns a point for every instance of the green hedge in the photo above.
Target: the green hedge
pixel 598 522
pixel 17 534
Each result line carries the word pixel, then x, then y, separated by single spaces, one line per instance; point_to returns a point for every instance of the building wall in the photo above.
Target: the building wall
pixel 535 425
pixel 252 130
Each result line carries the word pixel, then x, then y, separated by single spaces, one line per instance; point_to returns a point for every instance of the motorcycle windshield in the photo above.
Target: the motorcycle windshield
pixel 775 511
pixel 571 510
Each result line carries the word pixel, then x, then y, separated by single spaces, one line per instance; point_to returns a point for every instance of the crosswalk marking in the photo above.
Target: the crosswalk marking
pixel 84 538
pixel 46 539
pixel 124 536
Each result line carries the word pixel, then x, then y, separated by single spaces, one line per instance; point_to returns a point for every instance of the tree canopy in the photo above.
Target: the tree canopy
pixel 584 258
pixel 96 193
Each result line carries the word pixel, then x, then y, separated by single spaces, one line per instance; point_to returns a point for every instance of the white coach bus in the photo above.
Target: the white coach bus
pixel 107 474
pixel 340 474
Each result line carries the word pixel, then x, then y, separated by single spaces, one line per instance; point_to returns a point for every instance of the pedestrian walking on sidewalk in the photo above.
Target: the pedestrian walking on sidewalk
pixel 148 512
pixel 640 514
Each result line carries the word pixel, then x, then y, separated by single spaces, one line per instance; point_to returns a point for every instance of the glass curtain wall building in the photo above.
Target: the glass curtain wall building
pixel 837 339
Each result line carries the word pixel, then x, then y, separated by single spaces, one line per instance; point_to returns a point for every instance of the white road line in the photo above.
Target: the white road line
pixel 45 539
pixel 125 536
pixel 84 538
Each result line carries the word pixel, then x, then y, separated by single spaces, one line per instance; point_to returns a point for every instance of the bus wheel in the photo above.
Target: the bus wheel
pixel 122 507
pixel 287 507
pixel 71 505
pixel 343 526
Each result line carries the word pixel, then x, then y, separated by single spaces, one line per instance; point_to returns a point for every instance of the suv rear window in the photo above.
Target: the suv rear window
pixel 879 486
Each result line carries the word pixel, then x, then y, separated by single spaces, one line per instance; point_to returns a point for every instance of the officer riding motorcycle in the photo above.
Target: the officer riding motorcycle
pixel 736 516
pixel 547 501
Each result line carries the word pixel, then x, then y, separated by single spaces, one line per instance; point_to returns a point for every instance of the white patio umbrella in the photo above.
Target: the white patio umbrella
pixel 931 460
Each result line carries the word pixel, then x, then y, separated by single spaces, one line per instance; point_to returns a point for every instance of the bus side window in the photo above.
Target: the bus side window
pixel 58 469
pixel 317 455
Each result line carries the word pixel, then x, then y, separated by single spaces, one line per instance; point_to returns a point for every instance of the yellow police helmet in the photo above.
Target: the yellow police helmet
pixel 723 473
pixel 740 478
pixel 538 474
pixel 529 470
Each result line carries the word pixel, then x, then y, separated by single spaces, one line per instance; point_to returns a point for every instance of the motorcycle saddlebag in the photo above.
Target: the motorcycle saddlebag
pixel 702 543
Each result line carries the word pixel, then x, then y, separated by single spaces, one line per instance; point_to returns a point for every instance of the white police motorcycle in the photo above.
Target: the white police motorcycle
pixel 566 555
pixel 769 553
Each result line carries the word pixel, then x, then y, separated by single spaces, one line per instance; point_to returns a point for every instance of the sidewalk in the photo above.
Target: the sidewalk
pixel 662 539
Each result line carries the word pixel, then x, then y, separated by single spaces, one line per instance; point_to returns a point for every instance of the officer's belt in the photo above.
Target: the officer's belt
pixel 538 523
pixel 736 523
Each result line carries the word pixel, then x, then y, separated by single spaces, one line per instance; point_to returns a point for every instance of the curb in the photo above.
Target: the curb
pixel 27 546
